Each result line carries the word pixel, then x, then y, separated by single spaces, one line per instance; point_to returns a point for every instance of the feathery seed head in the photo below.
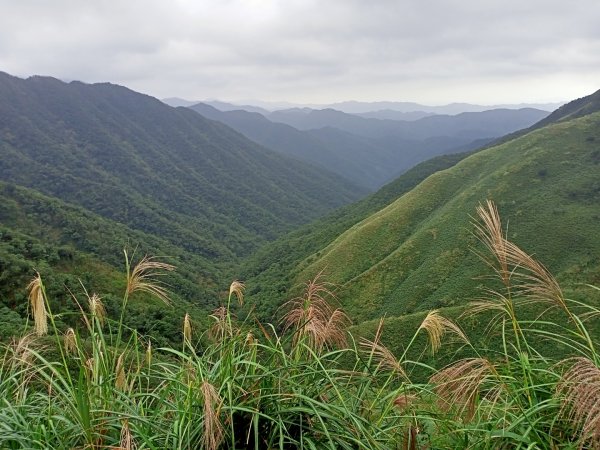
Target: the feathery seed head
pixel 97 308
pixel 21 350
pixel 38 306
pixel 143 278
pixel 436 326
pixel 213 429
pixel 579 390
pixel 237 288
pixel 383 356
pixel 221 326
pixel 70 341
pixel 459 383
pixel 314 319
pixel 187 329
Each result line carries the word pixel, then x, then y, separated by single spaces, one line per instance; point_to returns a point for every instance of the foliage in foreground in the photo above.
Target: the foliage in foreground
pixel 309 384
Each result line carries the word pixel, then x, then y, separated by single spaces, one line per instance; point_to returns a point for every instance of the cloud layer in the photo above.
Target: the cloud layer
pixel 433 51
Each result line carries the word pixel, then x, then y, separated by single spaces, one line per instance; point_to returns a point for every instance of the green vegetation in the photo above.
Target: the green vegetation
pixel 273 270
pixel 240 384
pixel 415 254
pixel 87 170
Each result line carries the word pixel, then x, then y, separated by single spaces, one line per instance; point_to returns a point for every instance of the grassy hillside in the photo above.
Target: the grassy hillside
pixel 273 270
pixel 416 253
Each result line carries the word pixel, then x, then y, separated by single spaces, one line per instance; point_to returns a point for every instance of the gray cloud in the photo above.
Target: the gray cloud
pixel 432 51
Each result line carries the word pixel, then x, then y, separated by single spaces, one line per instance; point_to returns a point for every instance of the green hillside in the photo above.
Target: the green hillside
pixel 73 248
pixel 88 170
pixel 416 253
pixel 165 171
pixel 272 271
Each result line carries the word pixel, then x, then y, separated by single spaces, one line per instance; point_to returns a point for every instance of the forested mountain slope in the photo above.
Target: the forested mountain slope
pixel 161 170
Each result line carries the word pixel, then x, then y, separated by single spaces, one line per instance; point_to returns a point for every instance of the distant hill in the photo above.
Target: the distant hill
pixel 370 152
pixel 354 157
pixel 390 114
pixel 491 123
pixel 176 101
pixel 354 107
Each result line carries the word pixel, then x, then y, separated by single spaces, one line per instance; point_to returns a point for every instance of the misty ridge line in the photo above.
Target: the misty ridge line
pixel 376 109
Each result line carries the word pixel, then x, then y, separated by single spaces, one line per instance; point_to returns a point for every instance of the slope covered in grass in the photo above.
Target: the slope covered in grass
pixel 273 270
pixel 416 253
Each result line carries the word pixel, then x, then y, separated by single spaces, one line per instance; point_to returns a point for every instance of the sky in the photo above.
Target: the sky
pixel 314 52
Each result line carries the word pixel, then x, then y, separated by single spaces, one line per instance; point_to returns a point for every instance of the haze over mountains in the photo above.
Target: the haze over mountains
pixel 369 151
pixel 355 107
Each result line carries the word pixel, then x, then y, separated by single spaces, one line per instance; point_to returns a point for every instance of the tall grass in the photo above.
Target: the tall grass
pixel 304 381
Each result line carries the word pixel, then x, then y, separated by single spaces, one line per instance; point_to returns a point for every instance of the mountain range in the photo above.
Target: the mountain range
pixel 367 151
pixel 356 107
pixel 87 170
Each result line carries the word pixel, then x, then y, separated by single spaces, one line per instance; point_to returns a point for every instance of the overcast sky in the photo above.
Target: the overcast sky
pixel 304 51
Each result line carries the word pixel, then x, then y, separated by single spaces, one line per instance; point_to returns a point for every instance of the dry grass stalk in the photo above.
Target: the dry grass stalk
pixel 437 326
pixel 520 273
pixel 187 329
pixel 458 384
pixel 213 429
pixel 237 288
pixel 383 356
pixel 580 392
pixel 314 319
pixel 120 380
pixel 70 341
pixel 221 327
pixel 38 306
pixel 143 278
pixel 127 442
pixel 97 308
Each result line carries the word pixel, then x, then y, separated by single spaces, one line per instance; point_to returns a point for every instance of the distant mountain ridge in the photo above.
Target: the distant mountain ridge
pixel 360 108
pixel 369 151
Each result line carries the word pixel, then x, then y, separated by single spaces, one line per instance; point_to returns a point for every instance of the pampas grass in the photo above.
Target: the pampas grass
pixel 144 277
pixel 38 306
